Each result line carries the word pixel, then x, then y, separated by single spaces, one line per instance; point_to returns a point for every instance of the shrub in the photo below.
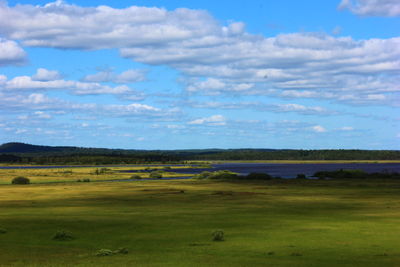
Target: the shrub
pixel 101 171
pixel 121 251
pixel 109 252
pixel 155 175
pixel 301 176
pixel 203 175
pixel 136 176
pixel 86 180
pixel 104 252
pixel 62 235
pixel 341 174
pixel 218 235
pixel 223 175
pixel 20 180
pixel 3 231
pixel 258 176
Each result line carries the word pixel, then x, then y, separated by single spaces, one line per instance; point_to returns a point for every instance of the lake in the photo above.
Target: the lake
pixel 291 170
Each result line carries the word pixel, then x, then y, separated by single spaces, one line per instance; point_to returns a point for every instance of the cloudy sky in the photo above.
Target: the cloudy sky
pixel 172 74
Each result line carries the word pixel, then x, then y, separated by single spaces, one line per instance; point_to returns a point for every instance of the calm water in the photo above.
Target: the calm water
pixel 291 170
pixel 274 169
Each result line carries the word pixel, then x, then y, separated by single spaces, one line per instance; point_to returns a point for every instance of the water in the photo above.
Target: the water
pixel 274 169
pixel 291 170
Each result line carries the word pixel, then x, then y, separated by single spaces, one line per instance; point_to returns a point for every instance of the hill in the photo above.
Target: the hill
pixel 28 153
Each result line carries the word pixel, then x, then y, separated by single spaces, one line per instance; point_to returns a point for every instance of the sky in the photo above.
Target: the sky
pixel 158 74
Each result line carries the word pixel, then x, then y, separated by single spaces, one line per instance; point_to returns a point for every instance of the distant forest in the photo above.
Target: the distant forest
pixel 20 153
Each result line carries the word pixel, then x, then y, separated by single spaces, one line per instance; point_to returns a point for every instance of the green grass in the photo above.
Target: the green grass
pixel 52 175
pixel 169 223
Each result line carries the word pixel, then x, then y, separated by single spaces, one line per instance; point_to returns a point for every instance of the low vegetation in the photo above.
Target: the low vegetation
pixel 156 174
pixel 62 235
pixel 276 222
pixel 355 174
pixel 20 180
pixel 218 235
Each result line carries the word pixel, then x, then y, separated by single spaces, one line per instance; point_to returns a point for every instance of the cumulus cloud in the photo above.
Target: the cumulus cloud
pixel 214 120
pixel 215 86
pixel 41 106
pixel 63 25
pixel 10 52
pixel 384 8
pixel 44 80
pixel 278 108
pixel 46 75
pixel 129 76
pixel 217 58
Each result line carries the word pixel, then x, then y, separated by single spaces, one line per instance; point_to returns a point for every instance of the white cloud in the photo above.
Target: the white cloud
pixel 63 25
pixel 347 128
pixel 318 129
pixel 218 58
pixel 37 99
pixel 46 75
pixel 10 52
pixel 78 88
pixel 102 76
pixel 129 76
pixel 216 86
pixel 214 120
pixel 299 108
pixel 384 8
pixel 42 115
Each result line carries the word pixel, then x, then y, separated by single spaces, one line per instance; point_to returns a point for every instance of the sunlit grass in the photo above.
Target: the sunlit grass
pixel 169 223
pixel 80 173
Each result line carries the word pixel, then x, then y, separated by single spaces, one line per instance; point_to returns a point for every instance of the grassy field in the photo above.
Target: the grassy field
pixel 169 223
pixel 76 173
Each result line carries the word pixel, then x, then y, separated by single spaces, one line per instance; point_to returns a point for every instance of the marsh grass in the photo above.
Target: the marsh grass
pixel 82 174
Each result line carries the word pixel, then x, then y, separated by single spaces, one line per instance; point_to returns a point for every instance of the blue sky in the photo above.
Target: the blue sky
pixel 201 74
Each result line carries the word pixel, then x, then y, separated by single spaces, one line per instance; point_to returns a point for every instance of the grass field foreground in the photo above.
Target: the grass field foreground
pixel 169 223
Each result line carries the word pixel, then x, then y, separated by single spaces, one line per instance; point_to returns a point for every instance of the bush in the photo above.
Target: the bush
pixel 109 252
pixel 87 180
pixel 104 252
pixel 101 171
pixel 301 176
pixel 341 174
pixel 203 175
pixel 136 176
pixel 155 175
pixel 121 251
pixel 223 175
pixel 258 176
pixel 20 180
pixel 3 231
pixel 62 235
pixel 218 235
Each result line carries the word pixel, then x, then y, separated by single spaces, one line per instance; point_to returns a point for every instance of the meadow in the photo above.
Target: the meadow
pixel 74 174
pixel 169 223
